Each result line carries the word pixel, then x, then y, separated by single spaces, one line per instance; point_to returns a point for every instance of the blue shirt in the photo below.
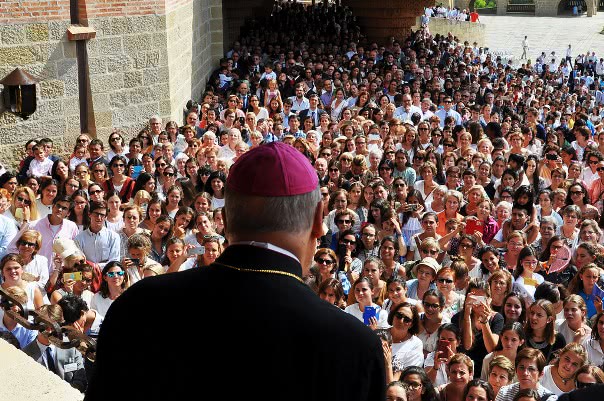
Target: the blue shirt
pixel 100 248
pixel 8 231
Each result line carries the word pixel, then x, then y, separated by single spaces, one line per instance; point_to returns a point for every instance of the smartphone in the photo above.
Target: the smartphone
pixel 479 299
pixel 196 251
pixel 242 121
pixel 136 171
pixel 368 313
pixel 374 137
pixel 473 226
pixel 76 276
pixel 412 207
pixel 443 348
pixel 135 261
pixel 598 292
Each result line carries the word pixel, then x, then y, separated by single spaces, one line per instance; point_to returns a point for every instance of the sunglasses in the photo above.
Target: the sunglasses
pixel 326 262
pixel 600 169
pixel 24 200
pixel 98 171
pixel 27 243
pixel 429 305
pixel 348 242
pixel 166 174
pixel 445 281
pixel 399 185
pixel 95 192
pixel 119 165
pixel 325 154
pixel 402 316
pixel 583 385
pixel 343 221
pixel 334 170
pixel 115 274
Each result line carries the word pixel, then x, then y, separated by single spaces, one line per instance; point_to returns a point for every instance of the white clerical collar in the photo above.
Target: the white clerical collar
pixel 267 245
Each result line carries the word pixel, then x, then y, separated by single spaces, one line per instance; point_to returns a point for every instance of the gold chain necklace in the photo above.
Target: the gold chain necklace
pixel 261 271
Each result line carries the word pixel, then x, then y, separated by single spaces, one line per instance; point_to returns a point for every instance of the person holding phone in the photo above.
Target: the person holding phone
pixel 115 282
pixel 479 324
pixel 585 284
pixel 460 369
pixel 364 309
pixel 525 278
pixel 137 260
pixel 449 338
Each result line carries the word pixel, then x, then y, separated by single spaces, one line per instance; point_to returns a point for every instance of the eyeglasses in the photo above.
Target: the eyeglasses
pixel 325 154
pixel 445 281
pixel 593 161
pixel 60 207
pixel 600 169
pixel 98 171
pixel 335 170
pixel 348 241
pixel 402 316
pixel 399 185
pixel 99 215
pixel 414 386
pixel 428 305
pixel 168 174
pixel 161 165
pixel 115 274
pixel 344 221
pixel 115 138
pixel 24 200
pixel 326 262
pixel 465 245
pixel 95 192
pixel 27 243
pixel 576 192
pixel 583 385
pixel 119 165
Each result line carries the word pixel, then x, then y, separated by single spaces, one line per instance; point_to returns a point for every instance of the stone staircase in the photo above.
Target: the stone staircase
pixel 521 7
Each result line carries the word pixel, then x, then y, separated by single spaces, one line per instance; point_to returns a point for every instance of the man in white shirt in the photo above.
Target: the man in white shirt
pixel 299 101
pixel 405 112
pixel 448 111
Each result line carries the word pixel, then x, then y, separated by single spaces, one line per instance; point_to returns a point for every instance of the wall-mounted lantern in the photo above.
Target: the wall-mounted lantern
pixel 20 92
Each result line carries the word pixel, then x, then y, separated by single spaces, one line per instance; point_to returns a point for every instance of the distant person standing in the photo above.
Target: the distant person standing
pixel 525 48
pixel 474 17
pixel 568 55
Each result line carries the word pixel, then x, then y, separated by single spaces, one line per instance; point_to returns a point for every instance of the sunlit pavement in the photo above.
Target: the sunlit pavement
pixel 505 34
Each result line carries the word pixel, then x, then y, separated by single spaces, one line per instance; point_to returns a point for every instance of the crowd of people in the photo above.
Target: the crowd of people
pixel 453 14
pixel 463 203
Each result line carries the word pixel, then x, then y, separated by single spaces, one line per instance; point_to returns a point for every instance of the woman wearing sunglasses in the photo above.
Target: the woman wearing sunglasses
pixel 23 207
pixel 119 181
pixel 325 267
pixel 406 347
pixel 35 267
pixel 115 282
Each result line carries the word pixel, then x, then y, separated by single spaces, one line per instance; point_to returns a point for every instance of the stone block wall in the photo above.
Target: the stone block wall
pixel 148 57
pixel 546 8
pixel 33 37
pixel 465 31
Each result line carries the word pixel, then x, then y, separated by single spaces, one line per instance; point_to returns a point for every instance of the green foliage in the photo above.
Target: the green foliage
pixel 485 4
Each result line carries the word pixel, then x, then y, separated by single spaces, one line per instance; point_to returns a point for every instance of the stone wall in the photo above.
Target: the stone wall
pixel 148 57
pixel 470 31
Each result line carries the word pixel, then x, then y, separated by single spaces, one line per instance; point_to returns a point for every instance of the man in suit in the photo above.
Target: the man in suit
pixel 269 326
pixel 68 364
pixel 313 111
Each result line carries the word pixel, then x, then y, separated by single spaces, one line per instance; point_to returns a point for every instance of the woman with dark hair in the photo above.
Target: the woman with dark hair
pixel 510 342
pixel 526 280
pixel 215 187
pixel 116 145
pixel 548 256
pixel 154 210
pixel 48 192
pixel 420 387
pixel 144 181
pixel 531 171
pixel 402 167
pixel 363 293
pixel 331 291
pixel 410 220
pixel 9 182
pixel 490 260
pixel 578 195
pixel 161 232
pixel 478 389
pixel 385 171
pixel 115 282
pixel 79 213
pixel 60 172
pixel 479 324
pixel 406 347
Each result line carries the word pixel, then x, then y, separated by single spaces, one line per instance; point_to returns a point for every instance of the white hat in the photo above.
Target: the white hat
pixel 65 247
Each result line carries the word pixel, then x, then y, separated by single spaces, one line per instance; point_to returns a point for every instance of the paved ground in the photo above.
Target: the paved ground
pixel 505 34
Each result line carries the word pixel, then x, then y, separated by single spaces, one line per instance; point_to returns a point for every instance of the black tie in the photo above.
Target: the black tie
pixel 50 361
